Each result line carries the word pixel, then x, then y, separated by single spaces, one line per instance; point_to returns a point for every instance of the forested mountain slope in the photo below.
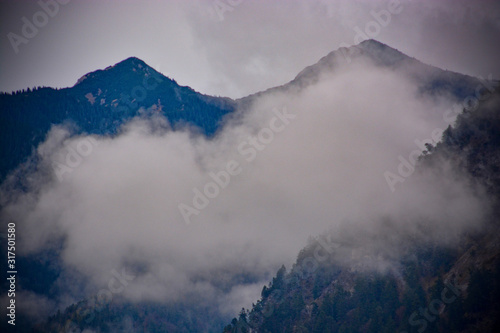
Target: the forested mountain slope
pixel 432 288
pixel 99 103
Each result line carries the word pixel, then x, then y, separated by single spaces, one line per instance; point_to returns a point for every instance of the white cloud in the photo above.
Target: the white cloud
pixel 119 206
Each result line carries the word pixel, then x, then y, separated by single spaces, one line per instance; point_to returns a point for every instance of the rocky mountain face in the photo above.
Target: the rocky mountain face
pixel 99 103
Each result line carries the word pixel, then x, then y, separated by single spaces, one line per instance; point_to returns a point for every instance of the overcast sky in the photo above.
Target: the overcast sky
pixel 235 47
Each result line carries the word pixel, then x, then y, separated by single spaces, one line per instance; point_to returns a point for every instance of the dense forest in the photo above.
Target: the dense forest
pixel 99 104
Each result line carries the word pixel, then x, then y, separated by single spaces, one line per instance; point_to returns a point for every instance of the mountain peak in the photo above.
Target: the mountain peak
pixel 429 78
pixel 378 52
pixel 372 42
pixel 131 61
pixel 131 65
pixel 381 53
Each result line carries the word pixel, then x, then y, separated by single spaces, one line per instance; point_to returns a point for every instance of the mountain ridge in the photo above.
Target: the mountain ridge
pixel 101 101
pixel 431 80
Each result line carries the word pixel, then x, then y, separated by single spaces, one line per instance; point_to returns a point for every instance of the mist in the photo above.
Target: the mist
pixel 237 47
pixel 294 166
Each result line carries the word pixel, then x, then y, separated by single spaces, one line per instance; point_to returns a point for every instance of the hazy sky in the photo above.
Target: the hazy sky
pixel 235 47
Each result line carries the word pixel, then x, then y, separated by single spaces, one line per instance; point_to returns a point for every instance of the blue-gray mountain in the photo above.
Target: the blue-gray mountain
pixel 333 299
pixel 101 101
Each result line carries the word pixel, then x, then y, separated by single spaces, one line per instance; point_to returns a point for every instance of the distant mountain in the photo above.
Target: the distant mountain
pixel 430 80
pixel 99 103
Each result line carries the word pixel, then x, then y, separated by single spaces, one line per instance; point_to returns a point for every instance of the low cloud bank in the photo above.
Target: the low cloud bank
pixel 291 167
